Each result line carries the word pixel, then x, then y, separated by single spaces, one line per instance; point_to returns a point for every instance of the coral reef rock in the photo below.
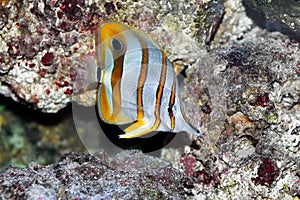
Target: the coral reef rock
pixel 130 175
pixel 276 15
pixel 251 144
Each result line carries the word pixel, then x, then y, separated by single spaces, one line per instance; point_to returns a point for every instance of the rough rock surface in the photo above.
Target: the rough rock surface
pixel 254 121
pixel 242 90
pixel 248 93
pixel 130 175
pixel 276 15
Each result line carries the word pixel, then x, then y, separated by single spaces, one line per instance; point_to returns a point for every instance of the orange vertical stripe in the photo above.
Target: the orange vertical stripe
pixel 104 106
pixel 142 78
pixel 159 91
pixel 116 85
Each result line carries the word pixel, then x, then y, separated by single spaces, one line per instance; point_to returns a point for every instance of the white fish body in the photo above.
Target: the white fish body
pixel 138 83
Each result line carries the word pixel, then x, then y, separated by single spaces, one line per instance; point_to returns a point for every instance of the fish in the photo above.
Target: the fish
pixel 138 84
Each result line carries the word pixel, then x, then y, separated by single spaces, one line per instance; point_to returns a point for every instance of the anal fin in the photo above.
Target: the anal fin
pixel 137 129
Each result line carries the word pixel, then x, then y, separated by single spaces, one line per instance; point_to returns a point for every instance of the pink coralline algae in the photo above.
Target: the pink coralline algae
pixel 267 173
pixel 68 91
pixel 47 59
pixel 207 175
pixel 189 164
pixel 261 100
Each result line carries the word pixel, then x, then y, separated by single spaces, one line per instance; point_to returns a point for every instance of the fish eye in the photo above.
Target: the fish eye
pixel 117 45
